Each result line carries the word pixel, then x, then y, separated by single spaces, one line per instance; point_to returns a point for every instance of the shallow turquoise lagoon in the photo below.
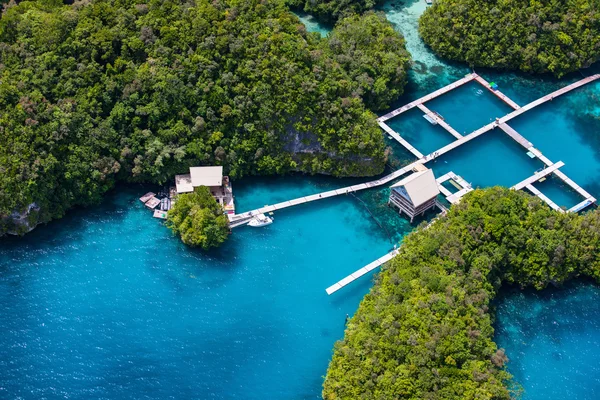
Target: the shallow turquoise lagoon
pixel 552 339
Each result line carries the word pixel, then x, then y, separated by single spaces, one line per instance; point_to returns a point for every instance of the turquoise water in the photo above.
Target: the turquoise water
pixel 552 339
pixel 106 303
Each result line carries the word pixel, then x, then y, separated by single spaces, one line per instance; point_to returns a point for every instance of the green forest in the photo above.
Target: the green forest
pixel 425 329
pixel 557 37
pixel 120 90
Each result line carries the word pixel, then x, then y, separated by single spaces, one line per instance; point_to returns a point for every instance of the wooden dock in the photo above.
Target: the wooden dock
pixel 355 275
pixel 588 198
pixel 468 78
pixel 465 187
pixel 439 121
pixel 497 93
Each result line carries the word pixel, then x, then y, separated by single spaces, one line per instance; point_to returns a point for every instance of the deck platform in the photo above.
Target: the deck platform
pixel 439 121
pixel 497 93
pixel 549 97
pixel 465 187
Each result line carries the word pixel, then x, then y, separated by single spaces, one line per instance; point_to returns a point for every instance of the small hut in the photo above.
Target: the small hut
pixel 415 194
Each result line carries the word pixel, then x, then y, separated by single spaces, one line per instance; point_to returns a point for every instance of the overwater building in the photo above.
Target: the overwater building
pixel 211 177
pixel 415 194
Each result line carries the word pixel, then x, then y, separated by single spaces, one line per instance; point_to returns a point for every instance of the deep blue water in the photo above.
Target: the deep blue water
pixel 552 339
pixel 106 303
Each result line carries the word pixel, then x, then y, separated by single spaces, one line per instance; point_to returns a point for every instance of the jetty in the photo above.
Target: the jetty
pixel 243 218
pixel 357 274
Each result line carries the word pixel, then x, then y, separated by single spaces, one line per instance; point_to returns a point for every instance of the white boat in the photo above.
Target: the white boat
pixel 260 220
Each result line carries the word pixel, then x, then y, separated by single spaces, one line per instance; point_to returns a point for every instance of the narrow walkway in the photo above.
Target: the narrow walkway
pixel 516 136
pixel 497 93
pixel 400 140
pixel 355 275
pixel 432 95
pixel 439 121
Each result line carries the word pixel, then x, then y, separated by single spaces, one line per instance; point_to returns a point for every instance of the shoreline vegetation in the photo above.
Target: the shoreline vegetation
pixel 198 219
pixel 533 37
pixel 110 91
pixel 425 330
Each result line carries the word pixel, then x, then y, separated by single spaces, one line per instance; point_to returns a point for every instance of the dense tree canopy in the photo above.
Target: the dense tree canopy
pixel 198 219
pixel 138 90
pixel 373 55
pixel 556 36
pixel 425 329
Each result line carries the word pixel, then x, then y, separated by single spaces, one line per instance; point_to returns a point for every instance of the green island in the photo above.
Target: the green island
pixel 555 37
pixel 198 219
pixel 103 92
pixel 425 329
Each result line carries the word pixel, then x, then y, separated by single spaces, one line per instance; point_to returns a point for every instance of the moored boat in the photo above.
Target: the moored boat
pixel 260 220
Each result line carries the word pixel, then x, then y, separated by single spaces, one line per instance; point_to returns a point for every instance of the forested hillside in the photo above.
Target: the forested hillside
pixel 557 36
pixel 112 90
pixel 425 329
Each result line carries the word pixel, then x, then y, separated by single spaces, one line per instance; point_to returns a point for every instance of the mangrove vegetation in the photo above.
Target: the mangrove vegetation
pixel 425 329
